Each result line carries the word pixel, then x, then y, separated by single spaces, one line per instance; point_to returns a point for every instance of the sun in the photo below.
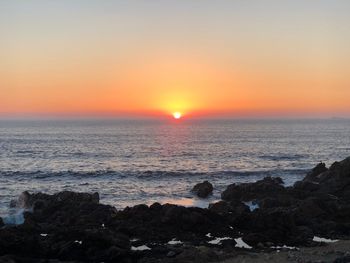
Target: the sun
pixel 177 115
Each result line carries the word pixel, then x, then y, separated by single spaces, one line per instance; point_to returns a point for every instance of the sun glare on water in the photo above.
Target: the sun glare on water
pixel 177 115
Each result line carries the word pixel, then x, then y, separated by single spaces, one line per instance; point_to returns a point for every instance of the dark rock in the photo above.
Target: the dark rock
pixel 234 207
pixel 70 226
pixel 342 259
pixel 317 170
pixel 1 222
pixel 275 225
pixel 269 186
pixel 156 206
pixel 203 190
pixel 279 201
pixel 334 181
pixel 307 186
pixel 165 222
pixel 171 254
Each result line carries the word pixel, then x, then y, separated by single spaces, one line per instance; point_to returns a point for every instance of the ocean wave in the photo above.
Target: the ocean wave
pixel 150 174
pixel 284 157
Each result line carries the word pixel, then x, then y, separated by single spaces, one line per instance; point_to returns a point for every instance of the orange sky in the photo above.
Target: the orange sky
pixel 209 62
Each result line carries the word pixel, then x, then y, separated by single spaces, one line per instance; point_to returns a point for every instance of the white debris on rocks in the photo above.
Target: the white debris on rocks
pixel 141 248
pixel 217 240
pixel 241 243
pixel 324 240
pixel 175 242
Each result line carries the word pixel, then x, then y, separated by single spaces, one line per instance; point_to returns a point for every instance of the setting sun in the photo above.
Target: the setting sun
pixel 177 115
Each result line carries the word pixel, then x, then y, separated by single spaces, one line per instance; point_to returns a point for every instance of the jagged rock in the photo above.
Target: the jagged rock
pixel 269 186
pixel 275 225
pixel 222 207
pixel 317 170
pixel 162 223
pixel 74 227
pixel 334 181
pixel 203 190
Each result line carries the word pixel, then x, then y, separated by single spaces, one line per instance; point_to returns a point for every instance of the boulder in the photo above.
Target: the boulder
pixel 276 225
pixel 317 170
pixel 269 186
pixel 233 207
pixel 203 190
pixel 334 181
pixel 278 201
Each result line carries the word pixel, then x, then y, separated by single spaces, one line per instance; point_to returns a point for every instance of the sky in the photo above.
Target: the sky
pixel 151 58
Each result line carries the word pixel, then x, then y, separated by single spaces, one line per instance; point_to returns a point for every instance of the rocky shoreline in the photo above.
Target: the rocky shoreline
pixel 252 220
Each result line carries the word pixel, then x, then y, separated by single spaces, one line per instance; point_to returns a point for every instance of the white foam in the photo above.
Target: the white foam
pixel 241 243
pixel 208 235
pixel 217 240
pixel 285 247
pixel 252 205
pixel 324 240
pixel 140 248
pixel 15 217
pixel 43 235
pixel 175 242
pixel 134 239
pixel 79 242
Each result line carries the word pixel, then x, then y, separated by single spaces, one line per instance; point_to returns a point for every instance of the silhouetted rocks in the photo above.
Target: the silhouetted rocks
pixel 75 227
pixel 203 190
pixel 333 181
pixel 269 186
pixel 318 169
pixel 162 223
pixel 232 207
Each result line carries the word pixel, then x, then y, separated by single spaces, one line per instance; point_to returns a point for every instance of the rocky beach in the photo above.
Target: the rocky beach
pixel 262 221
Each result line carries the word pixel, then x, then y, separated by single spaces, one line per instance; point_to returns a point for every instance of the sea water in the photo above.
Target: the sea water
pixel 143 161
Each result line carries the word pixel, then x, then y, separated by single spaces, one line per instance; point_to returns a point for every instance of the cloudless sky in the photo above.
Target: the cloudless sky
pixel 239 58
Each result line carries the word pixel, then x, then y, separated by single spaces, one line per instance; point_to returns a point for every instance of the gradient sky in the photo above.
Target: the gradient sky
pixel 239 58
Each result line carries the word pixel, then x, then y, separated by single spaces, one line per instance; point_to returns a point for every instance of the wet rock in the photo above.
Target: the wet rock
pixel 203 190
pixel 234 208
pixel 78 197
pixel 1 222
pixel 310 208
pixel 67 209
pixel 342 259
pixel 275 225
pixel 279 201
pixel 334 181
pixel 162 223
pixel 269 186
pixel 156 206
pixel 307 186
pixel 171 254
pixel 72 226
pixel 317 170
pixel 18 241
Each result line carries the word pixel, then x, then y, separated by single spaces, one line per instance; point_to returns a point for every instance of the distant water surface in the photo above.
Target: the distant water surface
pixel 142 161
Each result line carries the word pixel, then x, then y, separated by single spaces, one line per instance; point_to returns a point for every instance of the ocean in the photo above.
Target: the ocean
pixel 144 161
